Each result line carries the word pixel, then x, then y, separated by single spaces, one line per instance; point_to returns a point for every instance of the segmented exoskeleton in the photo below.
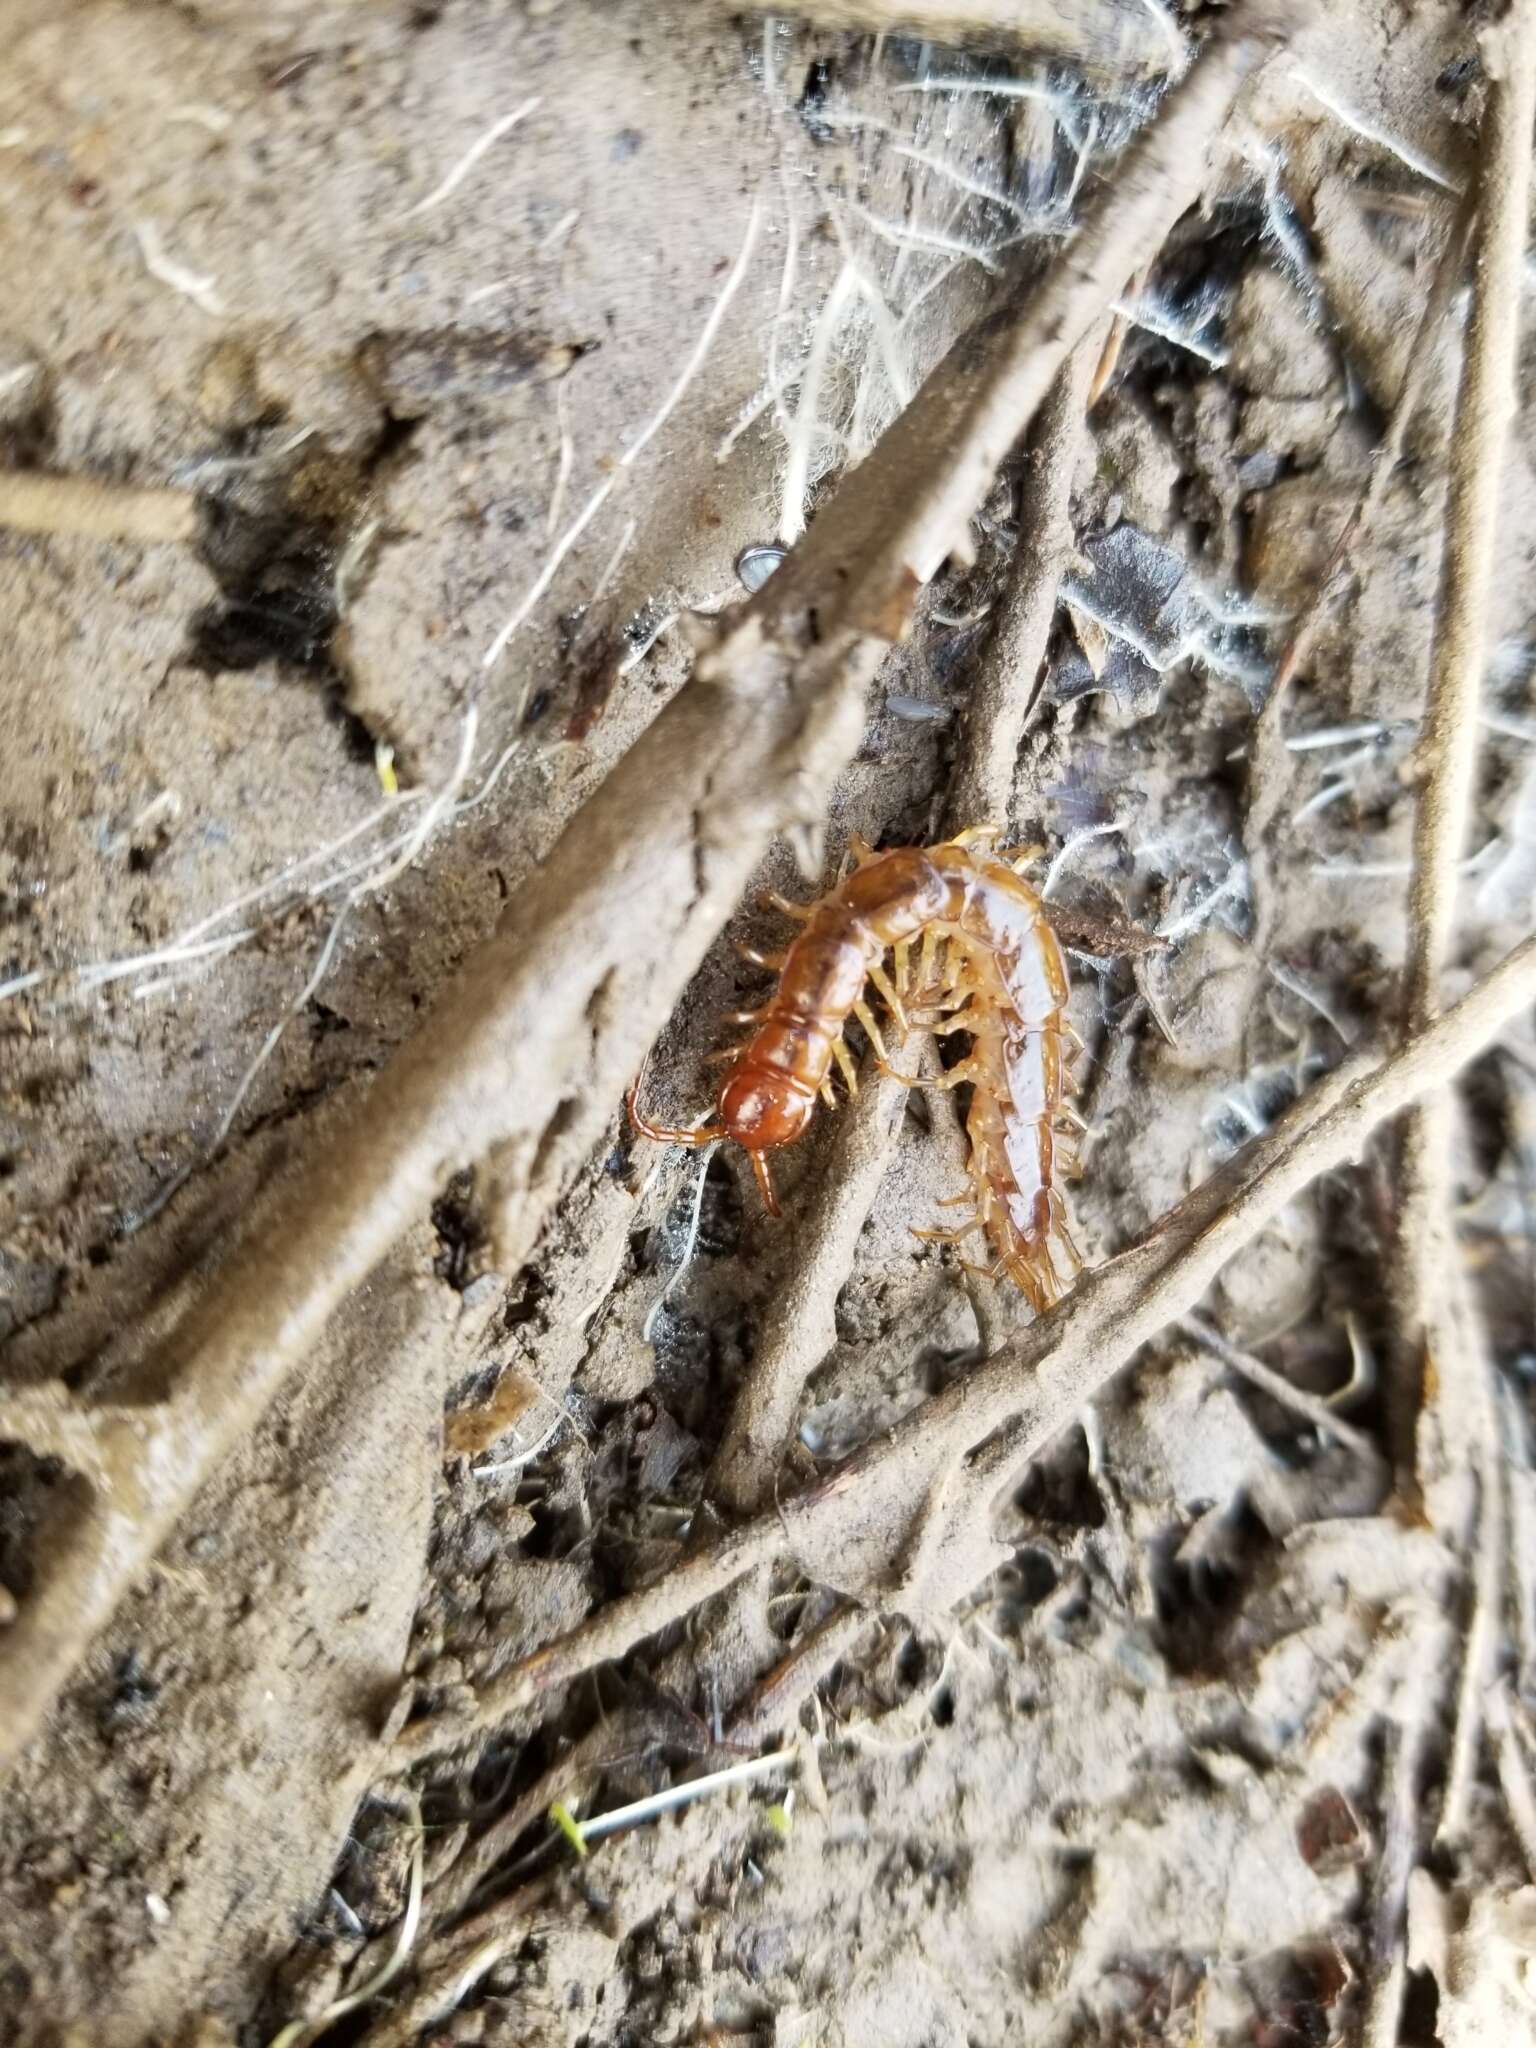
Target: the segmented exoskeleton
pixel 990 963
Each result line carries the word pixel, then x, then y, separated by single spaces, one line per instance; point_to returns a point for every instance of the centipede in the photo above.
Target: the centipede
pixel 970 951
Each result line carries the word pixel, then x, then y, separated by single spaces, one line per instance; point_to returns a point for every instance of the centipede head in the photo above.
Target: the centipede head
pixel 763 1108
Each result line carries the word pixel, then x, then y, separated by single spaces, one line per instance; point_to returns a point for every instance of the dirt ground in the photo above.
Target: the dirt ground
pixel 1136 1787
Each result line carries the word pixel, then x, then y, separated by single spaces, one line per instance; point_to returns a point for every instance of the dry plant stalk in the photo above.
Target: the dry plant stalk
pixel 1443 1355
pixel 538 1035
pixel 799 1326
pixel 1426 1260
pixel 915 1497
pixel 1005 688
pixel 95 508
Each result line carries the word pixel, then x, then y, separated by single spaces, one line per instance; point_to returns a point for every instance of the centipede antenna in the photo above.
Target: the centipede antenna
pixel 849 1071
pixel 772 900
pixel 761 1169
pixel 665 1134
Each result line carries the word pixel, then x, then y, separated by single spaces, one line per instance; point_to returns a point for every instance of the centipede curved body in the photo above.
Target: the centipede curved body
pixel 1002 980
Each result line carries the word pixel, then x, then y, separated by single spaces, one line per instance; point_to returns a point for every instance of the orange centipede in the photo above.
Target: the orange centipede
pixel 990 966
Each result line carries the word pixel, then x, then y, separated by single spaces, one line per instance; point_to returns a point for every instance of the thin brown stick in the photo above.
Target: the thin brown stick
pixel 1271 762
pixel 1485 415
pixel 1403 1768
pixel 1479 1664
pixel 1005 688
pixel 1275 1384
pixel 799 1322
pixel 1442 1356
pixel 1447 754
pixel 449 1968
pixel 547 1023
pixel 845 1530
pixel 773 1699
pixel 1388 454
pixel 95 508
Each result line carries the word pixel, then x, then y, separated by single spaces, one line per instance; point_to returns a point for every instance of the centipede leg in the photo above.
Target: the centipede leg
pixel 903 965
pixel 665 1134
pixel 866 1017
pixel 957 1236
pixel 846 1068
pixel 958 1020
pixel 754 958
pixel 1063 1234
pixel 882 982
pixel 995 1271
pixel 825 1092
pixel 940 1082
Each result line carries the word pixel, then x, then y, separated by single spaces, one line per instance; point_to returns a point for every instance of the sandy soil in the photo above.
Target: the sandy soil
pixel 1132 1792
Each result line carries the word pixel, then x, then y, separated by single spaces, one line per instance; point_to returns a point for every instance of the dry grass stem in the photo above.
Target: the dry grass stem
pixel 1005 685
pixel 1317 1411
pixel 1480 1656
pixel 92 508
pixel 1446 758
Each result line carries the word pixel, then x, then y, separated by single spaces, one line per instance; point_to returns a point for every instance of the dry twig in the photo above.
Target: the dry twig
pixel 1443 1355
pixel 1270 775
pixel 1006 686
pixel 95 508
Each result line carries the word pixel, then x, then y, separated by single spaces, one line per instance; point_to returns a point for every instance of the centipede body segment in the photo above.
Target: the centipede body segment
pixel 988 964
